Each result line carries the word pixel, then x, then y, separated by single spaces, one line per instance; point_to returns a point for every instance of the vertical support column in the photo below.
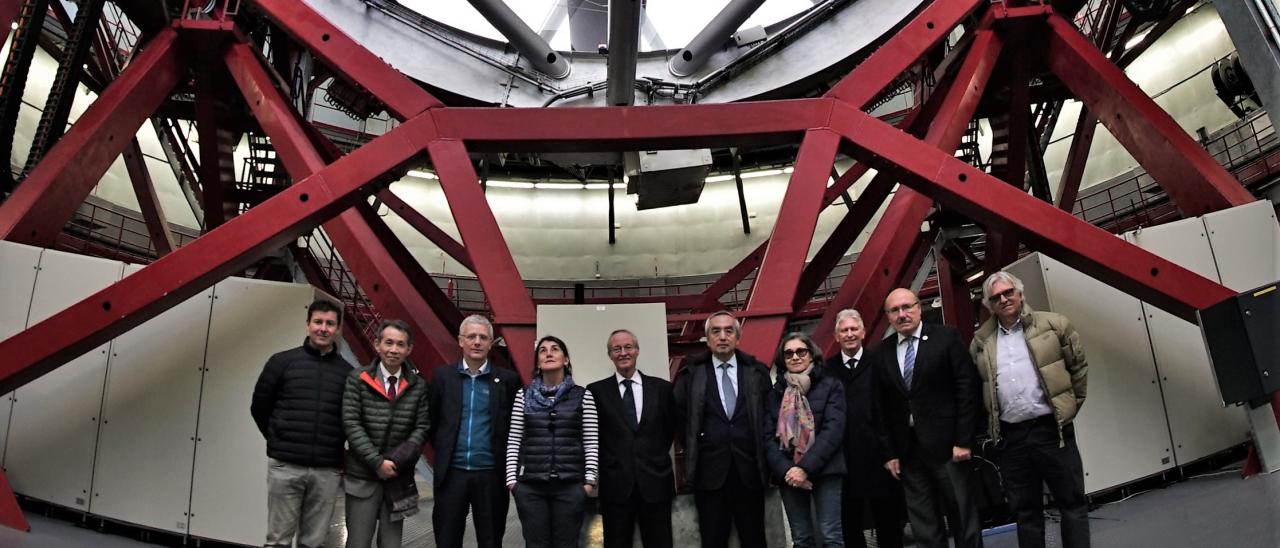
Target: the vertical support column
pixel 217 144
pixel 513 311
pixel 145 190
pixel 957 309
pixel 770 304
pixel 879 266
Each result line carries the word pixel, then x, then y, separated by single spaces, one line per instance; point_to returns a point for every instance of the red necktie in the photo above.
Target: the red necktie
pixel 391 390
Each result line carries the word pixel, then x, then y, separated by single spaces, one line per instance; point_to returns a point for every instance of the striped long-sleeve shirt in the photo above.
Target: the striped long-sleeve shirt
pixel 590 439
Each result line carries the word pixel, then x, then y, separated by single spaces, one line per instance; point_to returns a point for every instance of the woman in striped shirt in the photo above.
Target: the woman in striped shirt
pixel 552 450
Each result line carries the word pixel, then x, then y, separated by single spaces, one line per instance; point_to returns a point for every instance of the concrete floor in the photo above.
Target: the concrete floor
pixel 1210 511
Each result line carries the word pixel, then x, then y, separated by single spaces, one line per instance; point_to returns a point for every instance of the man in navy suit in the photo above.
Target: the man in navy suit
pixel 637 426
pixel 926 390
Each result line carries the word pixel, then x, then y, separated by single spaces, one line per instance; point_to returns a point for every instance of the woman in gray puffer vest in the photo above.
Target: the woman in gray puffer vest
pixel 552 450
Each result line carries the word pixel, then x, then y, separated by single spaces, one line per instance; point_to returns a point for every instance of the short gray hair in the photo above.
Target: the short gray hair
pixel 617 331
pixel 848 314
pixel 476 319
pixel 737 324
pixel 1000 276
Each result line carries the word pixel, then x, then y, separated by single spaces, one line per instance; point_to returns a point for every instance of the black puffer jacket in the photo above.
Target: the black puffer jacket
pixel 552 446
pixel 375 425
pixel 297 405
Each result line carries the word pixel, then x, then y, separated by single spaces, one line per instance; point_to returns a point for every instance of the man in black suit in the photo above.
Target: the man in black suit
pixel 470 408
pixel 721 398
pixel 637 425
pixel 868 486
pixel 926 395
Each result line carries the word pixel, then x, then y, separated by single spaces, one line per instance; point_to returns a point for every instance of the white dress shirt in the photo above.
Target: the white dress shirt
pixel 844 359
pixel 637 390
pixel 1017 384
pixel 386 384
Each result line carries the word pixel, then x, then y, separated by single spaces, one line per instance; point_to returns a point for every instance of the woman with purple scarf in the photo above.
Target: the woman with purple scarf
pixel 552 450
pixel 805 446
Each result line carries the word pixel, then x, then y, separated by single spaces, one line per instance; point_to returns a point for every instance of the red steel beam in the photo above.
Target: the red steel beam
pixel 1077 157
pixel 775 285
pixel 925 31
pixel 513 311
pixel 957 308
pixel 364 250
pixel 988 200
pixel 424 225
pixel 38 209
pixel 11 515
pixel 217 146
pixel 911 263
pixel 1193 180
pixel 403 98
pixel 9 10
pixel 198 265
pixel 145 190
pixel 632 128
pixel 881 262
pixel 828 256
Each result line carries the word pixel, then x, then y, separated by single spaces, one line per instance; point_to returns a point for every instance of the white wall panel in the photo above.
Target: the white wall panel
pixel 1246 244
pixel 143 469
pixel 1122 430
pixel 54 428
pixel 1198 422
pixel 18 268
pixel 585 328
pixel 251 320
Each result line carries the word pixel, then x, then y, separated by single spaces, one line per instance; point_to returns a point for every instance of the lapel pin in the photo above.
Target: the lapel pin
pixel 924 338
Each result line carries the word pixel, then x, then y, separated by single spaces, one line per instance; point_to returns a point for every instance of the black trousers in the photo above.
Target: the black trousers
pixel 887 517
pixel 620 518
pixel 934 489
pixel 482 492
pixel 1032 459
pixel 551 513
pixel 732 505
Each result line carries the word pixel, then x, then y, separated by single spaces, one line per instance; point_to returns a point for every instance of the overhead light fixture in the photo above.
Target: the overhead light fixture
pixel 422 174
pixel 604 186
pixel 559 186
pixel 509 184
pixel 1135 41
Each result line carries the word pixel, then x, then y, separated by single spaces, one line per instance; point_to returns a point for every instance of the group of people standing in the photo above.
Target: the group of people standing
pixel 881 434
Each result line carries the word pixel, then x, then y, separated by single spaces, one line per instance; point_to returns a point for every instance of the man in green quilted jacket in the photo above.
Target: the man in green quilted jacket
pixel 384 414
pixel 1033 378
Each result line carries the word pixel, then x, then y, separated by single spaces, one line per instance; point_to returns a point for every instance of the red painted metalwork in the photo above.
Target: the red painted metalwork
pixel 957 307
pixel 882 260
pixel 403 98
pixel 789 245
pixel 1077 155
pixel 9 10
pixel 11 515
pixel 424 226
pixel 364 249
pixel 513 311
pixel 1194 182
pixel 143 188
pixel 46 199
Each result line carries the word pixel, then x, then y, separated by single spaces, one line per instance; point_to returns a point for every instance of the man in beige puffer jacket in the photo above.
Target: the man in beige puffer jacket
pixel 1033 371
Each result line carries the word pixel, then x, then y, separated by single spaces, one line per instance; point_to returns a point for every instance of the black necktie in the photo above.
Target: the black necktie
pixel 391 387
pixel 629 402
pixel 852 363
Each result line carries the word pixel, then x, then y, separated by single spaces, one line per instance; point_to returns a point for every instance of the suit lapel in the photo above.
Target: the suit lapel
pixel 894 369
pixel 649 400
pixel 619 405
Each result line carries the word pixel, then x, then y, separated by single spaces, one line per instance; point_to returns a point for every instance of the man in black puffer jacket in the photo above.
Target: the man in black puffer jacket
pixel 384 412
pixel 297 405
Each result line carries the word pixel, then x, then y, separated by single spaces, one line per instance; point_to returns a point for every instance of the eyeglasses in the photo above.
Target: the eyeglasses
pixel 1006 294
pixel 797 353
pixel 902 309
pixel 620 349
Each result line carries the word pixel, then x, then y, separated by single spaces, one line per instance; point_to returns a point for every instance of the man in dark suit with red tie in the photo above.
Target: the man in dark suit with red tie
pixel 637 426
pixel 926 391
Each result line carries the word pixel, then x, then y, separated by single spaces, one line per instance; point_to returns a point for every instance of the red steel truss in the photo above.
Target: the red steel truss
pixel 326 188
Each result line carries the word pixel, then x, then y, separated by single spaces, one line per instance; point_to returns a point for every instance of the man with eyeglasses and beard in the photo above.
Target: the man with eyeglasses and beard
pixel 1033 371
pixel 926 390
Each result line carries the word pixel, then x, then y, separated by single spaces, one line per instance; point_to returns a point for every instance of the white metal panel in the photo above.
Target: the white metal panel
pixel 1246 244
pixel 1122 430
pixel 1198 422
pixel 585 329
pixel 147 442
pixel 18 267
pixel 250 321
pixel 54 429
